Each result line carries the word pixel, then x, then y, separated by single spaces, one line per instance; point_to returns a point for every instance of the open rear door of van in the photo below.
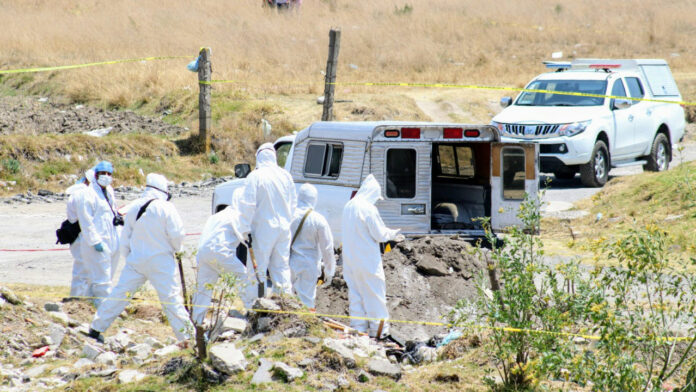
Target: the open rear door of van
pixel 514 174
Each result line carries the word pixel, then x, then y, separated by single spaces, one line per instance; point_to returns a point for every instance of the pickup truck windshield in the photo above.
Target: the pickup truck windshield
pixel 550 99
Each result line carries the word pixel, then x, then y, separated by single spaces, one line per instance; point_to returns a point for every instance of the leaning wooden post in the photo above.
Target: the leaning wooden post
pixel 330 79
pixel 204 113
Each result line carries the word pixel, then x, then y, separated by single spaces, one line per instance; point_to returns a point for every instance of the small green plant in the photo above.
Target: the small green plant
pixel 11 165
pixel 640 308
pixel 558 8
pixel 526 295
pixel 213 158
pixel 407 9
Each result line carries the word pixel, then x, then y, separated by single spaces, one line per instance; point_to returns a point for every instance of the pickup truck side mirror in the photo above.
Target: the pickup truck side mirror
pixel 241 170
pixel 622 104
pixel 505 102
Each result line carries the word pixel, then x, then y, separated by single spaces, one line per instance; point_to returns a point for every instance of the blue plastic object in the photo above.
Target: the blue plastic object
pixel 104 166
pixel 453 335
pixel 99 247
pixel 193 65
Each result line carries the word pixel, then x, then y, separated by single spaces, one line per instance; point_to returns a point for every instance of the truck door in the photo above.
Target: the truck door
pixel 403 171
pixel 514 174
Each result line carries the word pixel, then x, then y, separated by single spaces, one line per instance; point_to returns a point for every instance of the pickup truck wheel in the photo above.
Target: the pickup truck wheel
pixel 658 160
pixel 595 173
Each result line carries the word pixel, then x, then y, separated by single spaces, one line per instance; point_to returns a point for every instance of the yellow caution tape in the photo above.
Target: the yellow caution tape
pixel 473 87
pixel 427 323
pixel 73 66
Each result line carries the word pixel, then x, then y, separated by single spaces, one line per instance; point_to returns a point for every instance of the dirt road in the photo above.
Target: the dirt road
pixel 32 226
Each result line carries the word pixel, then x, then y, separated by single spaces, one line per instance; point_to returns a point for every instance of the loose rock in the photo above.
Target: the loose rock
pixel 107 358
pixel 335 345
pixel 91 351
pixel 227 358
pixel 82 362
pixel 163 352
pixel 286 372
pixel 140 351
pixel 9 296
pixel 263 373
pixel 382 367
pixel 128 376
pixel 53 307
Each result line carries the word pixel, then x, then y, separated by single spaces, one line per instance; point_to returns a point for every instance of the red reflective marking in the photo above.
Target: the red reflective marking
pixel 410 133
pixel 452 133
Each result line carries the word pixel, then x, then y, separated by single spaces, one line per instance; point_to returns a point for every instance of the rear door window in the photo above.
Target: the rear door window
pixel 401 173
pixel 456 160
pixel 513 173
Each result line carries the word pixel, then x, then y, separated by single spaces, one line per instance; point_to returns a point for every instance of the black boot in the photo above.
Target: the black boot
pixel 96 335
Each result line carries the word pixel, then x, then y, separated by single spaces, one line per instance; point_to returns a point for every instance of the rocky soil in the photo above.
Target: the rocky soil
pixel 32 115
pixel 425 279
pixel 47 348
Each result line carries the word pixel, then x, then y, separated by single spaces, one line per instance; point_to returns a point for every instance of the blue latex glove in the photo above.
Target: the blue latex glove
pixel 99 247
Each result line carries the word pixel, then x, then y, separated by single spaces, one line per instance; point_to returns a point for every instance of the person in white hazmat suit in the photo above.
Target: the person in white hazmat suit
pixel 362 231
pixel 311 246
pixel 217 254
pixel 266 210
pixel 153 232
pixel 79 286
pixel 96 212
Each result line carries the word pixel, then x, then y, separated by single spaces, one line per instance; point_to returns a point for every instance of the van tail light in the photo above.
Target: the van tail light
pixel 452 133
pixel 410 133
pixel 352 194
pixel 472 133
pixel 391 133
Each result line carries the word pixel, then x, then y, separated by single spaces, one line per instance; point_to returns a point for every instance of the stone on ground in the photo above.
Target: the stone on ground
pixel 128 376
pixel 82 362
pixel 286 372
pixel 382 367
pixel 140 351
pixel 53 307
pixel 163 352
pixel 35 371
pixel 263 373
pixel 91 351
pixel 107 358
pixel 9 296
pixel 234 324
pixel 227 358
pixel 336 346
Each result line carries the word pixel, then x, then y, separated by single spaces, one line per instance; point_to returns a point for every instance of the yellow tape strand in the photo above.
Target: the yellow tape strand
pixel 418 322
pixel 471 87
pixel 74 66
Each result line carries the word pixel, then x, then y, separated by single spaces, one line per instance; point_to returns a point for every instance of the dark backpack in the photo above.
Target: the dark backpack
pixel 67 232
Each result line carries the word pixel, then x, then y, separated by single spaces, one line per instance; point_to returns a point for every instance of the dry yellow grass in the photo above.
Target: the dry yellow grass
pixel 278 59
pixel 465 41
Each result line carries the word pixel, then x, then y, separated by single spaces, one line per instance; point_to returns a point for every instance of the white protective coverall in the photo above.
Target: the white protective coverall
pixel 149 245
pixel 363 230
pixel 266 209
pixel 95 212
pixel 217 254
pixel 313 244
pixel 79 286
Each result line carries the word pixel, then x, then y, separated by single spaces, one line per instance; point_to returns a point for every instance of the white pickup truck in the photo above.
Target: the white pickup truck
pixel 436 178
pixel 589 133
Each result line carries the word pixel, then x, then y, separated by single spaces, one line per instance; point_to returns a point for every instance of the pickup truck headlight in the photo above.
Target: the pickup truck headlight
pixel 573 129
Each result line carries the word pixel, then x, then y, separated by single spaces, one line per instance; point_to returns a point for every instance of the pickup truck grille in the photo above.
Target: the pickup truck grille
pixel 531 130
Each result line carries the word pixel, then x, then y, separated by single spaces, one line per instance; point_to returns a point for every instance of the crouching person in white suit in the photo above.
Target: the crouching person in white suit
pixel 217 254
pixel 153 232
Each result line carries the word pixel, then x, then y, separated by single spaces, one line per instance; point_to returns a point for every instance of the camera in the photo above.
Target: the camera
pixel 118 220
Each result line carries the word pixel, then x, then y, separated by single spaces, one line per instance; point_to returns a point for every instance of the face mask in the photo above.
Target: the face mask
pixel 104 180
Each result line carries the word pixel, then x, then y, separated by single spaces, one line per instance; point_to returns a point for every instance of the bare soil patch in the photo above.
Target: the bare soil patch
pixel 49 116
pixel 425 279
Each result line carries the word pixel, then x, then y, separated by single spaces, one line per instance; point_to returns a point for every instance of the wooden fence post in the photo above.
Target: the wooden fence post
pixel 330 79
pixel 204 112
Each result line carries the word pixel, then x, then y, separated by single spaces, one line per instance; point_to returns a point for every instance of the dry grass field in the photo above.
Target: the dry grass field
pixel 278 59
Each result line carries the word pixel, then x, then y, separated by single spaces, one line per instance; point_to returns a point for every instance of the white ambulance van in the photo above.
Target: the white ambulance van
pixel 436 179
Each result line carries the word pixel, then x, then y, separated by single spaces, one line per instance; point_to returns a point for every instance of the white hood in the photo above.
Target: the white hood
pixel 266 156
pixel 370 190
pixel 548 114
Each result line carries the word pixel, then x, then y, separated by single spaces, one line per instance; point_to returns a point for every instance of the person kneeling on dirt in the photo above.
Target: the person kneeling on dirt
pixel 153 232
pixel 312 243
pixel 362 230
pixel 217 254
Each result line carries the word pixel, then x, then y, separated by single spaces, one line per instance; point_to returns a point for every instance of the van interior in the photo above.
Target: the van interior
pixel 461 190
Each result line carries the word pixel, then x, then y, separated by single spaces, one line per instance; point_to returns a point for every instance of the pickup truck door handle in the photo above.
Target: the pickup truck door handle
pixel 630 117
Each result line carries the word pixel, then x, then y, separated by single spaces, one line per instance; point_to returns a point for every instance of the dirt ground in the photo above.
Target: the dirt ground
pixel 47 116
pixel 425 279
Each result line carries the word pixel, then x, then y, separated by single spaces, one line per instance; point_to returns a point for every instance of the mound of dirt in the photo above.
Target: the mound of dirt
pixel 425 279
pixel 45 116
